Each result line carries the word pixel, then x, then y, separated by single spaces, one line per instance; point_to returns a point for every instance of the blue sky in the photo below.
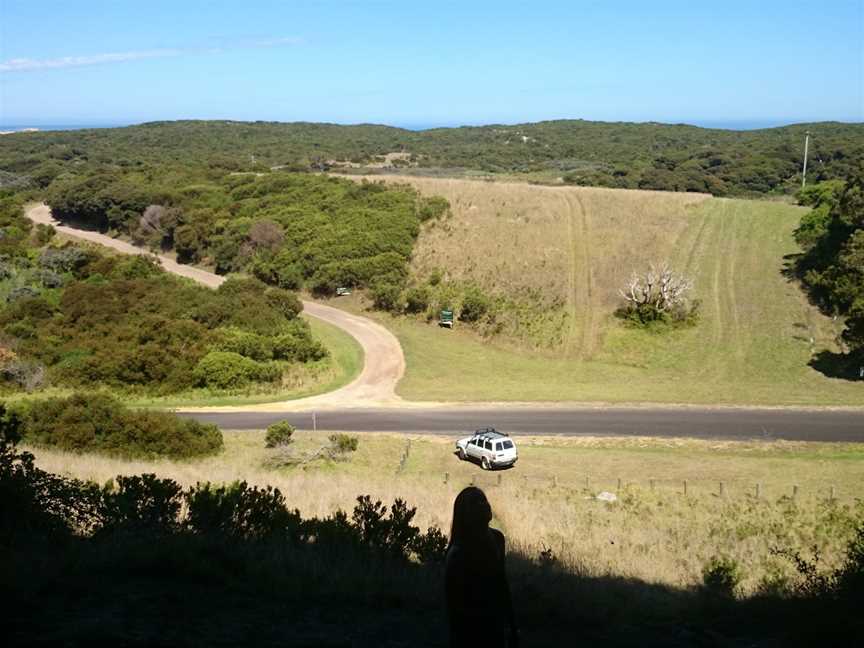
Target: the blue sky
pixel 431 63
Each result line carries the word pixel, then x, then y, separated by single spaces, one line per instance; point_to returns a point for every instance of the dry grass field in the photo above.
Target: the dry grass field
pixel 653 532
pixel 561 253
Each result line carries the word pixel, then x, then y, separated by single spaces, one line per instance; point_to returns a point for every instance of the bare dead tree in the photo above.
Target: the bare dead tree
pixel 660 287
pixel 265 234
pixel 151 220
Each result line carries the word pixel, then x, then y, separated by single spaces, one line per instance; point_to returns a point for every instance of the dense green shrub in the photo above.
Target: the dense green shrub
pixel 650 316
pixel 99 423
pixel 475 305
pixel 296 344
pixel 228 370
pixel 832 264
pixel 279 434
pixel 386 297
pixel 123 322
pixel 250 345
pixel 417 299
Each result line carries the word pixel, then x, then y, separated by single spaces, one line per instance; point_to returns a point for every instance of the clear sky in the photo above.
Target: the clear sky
pixel 414 63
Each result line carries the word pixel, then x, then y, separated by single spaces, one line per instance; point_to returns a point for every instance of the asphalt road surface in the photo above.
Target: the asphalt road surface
pixel 719 423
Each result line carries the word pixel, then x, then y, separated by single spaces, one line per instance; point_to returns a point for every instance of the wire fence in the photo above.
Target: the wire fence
pixel 595 485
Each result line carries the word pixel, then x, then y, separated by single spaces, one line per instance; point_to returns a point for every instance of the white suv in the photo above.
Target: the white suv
pixel 493 449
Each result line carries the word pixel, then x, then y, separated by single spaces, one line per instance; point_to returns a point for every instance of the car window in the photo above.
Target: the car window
pixel 499 446
pixel 488 444
pixel 508 445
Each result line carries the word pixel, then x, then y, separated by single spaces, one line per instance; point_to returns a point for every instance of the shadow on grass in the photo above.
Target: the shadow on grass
pixel 145 562
pixel 838 365
pixel 185 590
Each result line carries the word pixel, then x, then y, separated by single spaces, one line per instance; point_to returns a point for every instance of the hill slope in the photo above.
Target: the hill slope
pixel 567 250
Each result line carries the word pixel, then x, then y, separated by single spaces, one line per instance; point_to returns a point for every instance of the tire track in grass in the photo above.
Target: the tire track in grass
pixel 589 330
pixel 716 280
pixel 580 279
pixel 571 275
pixel 730 255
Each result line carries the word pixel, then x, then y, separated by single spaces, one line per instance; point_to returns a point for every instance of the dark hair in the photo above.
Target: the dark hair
pixel 471 517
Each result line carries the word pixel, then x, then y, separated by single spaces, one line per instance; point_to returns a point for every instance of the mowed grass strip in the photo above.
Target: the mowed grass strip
pixel 754 341
pixel 657 534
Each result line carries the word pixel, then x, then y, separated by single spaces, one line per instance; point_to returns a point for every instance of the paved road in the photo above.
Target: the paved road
pixel 793 425
pixel 384 362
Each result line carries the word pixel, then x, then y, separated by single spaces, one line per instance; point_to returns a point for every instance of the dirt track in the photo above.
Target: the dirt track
pixel 384 362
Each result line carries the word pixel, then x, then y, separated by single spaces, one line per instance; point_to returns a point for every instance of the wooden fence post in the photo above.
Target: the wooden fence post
pixel 619 483
pixel 794 491
pixel 446 477
pixel 651 482
pixel 721 489
pixel 833 493
pixel 499 479
pixel 758 490
pixel 685 486
pixel 554 481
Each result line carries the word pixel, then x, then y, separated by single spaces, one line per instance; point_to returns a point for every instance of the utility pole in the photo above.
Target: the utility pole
pixel 806 145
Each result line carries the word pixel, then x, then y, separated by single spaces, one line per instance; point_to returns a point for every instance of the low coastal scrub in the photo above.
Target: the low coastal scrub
pixel 288 230
pixel 101 424
pixel 123 323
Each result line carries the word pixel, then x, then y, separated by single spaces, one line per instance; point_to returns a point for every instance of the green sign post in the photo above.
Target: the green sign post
pixel 446 318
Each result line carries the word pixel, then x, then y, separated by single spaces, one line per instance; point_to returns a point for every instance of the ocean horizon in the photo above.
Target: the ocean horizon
pixel 741 125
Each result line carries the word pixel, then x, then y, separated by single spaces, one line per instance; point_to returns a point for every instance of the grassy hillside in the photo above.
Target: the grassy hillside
pixel 645 155
pixel 560 254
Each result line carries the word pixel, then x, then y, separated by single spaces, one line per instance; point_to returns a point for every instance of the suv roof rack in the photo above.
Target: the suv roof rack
pixel 489 430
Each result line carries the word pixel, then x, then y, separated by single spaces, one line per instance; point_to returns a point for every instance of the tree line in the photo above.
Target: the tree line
pixel 831 266
pixel 672 157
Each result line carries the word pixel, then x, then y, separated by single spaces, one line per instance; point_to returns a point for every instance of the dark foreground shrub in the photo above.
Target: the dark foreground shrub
pixel 279 434
pixel 142 503
pixel 240 511
pixel 95 422
pixel 721 576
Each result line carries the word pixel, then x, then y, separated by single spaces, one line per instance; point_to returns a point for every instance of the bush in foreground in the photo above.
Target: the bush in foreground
pixel 99 423
pixel 279 434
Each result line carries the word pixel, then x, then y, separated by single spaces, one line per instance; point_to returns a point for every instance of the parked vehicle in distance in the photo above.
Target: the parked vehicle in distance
pixel 343 292
pixel 493 449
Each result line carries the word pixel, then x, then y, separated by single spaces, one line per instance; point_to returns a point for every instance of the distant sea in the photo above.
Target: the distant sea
pixel 55 127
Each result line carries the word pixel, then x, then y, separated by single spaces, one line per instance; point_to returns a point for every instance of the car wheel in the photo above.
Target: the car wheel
pixel 461 454
pixel 484 463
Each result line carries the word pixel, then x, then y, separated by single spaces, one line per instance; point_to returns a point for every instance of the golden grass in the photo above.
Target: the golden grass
pixel 659 534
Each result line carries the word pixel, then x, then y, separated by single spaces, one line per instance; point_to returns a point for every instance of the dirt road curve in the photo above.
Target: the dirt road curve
pixel 384 362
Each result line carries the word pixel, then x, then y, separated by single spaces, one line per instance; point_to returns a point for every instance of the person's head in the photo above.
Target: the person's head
pixel 471 517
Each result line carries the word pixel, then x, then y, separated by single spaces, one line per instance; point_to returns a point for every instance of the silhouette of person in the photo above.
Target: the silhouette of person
pixel 479 605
